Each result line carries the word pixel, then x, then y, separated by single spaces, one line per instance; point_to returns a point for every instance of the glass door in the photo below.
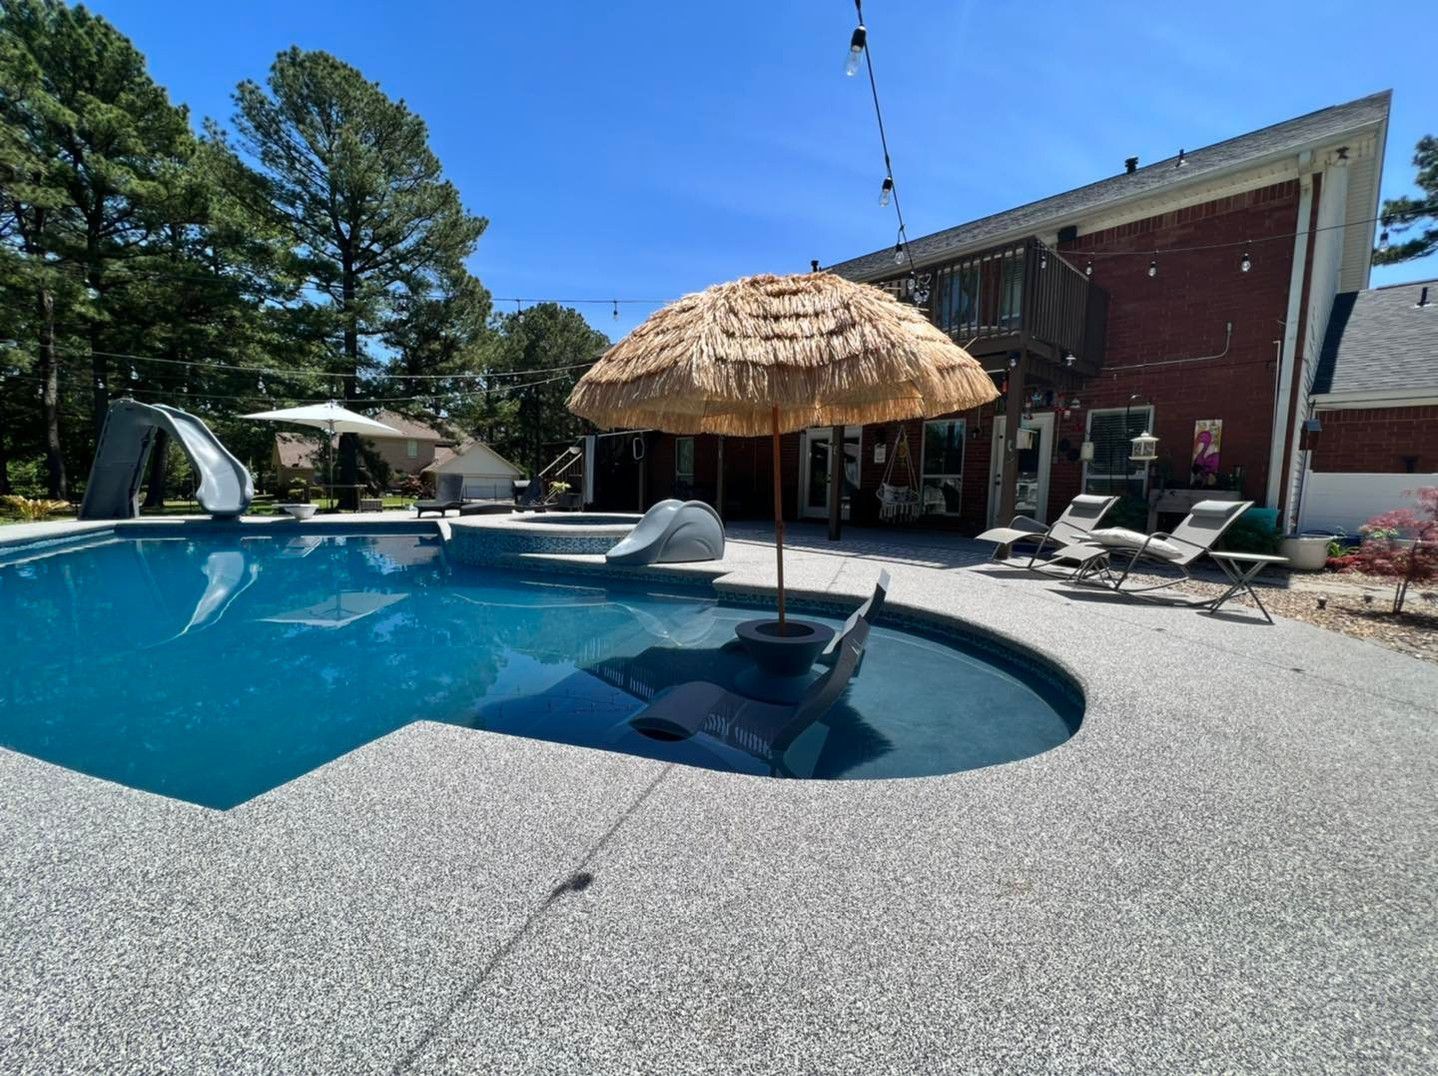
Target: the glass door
pixel 1035 452
pixel 815 468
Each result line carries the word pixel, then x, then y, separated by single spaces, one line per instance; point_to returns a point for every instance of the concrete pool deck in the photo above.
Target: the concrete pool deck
pixel 1233 866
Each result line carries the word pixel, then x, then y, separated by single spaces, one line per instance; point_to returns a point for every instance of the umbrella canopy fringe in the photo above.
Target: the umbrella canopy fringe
pixel 824 349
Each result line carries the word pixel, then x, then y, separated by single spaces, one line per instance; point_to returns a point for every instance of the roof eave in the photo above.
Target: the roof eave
pixel 1058 221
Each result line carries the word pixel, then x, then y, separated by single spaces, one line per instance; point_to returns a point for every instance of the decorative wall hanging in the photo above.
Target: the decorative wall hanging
pixel 1207 450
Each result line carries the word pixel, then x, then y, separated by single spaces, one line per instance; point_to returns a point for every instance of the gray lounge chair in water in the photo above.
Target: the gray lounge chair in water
pixel 762 729
pixel 1092 560
pixel 1078 519
pixel 872 607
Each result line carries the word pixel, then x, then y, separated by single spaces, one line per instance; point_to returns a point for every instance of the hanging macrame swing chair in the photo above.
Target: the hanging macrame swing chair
pixel 899 503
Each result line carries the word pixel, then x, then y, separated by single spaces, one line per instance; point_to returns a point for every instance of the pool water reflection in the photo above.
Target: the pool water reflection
pixel 215 667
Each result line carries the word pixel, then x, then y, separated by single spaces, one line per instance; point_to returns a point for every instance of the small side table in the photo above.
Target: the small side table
pixel 1242 569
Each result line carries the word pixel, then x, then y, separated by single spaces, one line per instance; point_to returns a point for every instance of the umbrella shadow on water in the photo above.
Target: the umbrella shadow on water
pixel 848 739
pixel 592 707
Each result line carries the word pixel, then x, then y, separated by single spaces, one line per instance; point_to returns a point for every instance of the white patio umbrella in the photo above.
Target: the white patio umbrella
pixel 330 417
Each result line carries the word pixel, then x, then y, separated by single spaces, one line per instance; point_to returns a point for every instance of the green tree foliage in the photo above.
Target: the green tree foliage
pixel 349 175
pixel 115 241
pixel 1401 214
pixel 520 422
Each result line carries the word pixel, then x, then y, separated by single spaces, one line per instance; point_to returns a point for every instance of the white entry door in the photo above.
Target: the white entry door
pixel 1033 477
pixel 815 467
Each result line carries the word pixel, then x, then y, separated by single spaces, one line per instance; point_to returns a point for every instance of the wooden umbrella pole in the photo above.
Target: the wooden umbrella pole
pixel 778 517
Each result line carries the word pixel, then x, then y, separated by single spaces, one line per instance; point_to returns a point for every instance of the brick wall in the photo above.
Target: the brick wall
pixel 1159 329
pixel 1378 440
pixel 1180 314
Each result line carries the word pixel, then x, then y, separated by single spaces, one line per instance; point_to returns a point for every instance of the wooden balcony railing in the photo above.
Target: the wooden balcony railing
pixel 994 300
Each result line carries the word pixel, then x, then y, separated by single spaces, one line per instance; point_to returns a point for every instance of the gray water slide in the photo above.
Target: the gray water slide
pixel 672 532
pixel 225 487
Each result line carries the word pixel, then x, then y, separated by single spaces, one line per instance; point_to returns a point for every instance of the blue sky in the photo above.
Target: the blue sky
pixel 642 150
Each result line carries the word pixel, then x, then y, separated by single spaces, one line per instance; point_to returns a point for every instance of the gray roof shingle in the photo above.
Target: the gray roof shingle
pixel 1380 339
pixel 1275 141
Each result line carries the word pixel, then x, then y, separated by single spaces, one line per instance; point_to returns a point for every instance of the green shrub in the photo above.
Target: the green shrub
pixel 1251 534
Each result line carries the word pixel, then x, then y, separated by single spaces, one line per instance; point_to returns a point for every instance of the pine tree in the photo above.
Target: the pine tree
pixel 348 173
pixel 1400 214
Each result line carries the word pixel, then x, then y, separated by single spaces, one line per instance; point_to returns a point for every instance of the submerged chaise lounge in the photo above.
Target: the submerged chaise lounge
pixel 762 729
pixel 1092 558
pixel 869 611
pixel 1078 519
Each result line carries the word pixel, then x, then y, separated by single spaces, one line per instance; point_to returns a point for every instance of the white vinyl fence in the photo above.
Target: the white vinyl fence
pixel 1334 501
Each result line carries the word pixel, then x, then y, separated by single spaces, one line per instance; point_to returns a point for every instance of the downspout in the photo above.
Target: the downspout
pixel 1286 365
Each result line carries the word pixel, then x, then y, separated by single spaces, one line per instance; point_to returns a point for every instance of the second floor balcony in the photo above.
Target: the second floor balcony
pixel 1016 296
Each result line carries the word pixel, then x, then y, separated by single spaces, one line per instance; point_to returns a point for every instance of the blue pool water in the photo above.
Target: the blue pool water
pixel 213 668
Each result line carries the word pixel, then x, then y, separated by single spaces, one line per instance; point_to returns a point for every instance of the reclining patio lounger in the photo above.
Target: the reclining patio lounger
pixel 421 507
pixel 1073 526
pixel 762 729
pixel 1198 533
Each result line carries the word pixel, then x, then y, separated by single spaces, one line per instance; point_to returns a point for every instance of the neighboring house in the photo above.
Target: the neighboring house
pixel 298 456
pixel 1373 431
pixel 1189 298
pixel 473 471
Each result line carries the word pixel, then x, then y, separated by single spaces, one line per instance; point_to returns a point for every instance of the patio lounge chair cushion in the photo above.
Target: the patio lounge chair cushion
pixel 1123 538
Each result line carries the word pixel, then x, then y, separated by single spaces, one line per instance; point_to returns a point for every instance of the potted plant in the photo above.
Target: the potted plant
pixel 561 496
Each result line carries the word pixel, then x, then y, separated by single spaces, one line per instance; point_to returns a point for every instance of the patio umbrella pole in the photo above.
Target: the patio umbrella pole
pixel 778 517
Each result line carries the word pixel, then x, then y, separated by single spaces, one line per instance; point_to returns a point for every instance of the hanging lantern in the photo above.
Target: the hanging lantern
pixel 1145 447
pixel 1086 452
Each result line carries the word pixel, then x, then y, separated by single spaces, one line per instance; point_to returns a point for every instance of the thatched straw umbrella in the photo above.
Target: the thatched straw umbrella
pixel 774 354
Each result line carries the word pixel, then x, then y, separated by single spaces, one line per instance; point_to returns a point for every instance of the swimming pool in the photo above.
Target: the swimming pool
pixel 214 665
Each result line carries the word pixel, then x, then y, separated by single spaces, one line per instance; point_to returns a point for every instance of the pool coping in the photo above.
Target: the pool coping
pixel 1229 866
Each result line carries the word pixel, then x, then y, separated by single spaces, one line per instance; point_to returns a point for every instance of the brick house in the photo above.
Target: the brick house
pixel 1373 431
pixel 1189 298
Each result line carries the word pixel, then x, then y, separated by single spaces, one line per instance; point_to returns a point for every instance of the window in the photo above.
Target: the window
pixel 1110 470
pixel 684 464
pixel 411 448
pixel 957 302
pixel 1011 294
pixel 942 467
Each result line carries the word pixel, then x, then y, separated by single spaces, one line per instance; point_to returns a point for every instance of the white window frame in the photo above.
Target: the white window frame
pixel 682 476
pixel 924 463
pixel 411 449
pixel 1133 469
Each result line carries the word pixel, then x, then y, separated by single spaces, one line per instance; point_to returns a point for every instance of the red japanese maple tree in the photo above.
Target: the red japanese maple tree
pixel 1403 543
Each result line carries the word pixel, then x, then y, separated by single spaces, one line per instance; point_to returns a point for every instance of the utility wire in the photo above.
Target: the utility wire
pixel 294 374
pixel 128 274
pixel 448 394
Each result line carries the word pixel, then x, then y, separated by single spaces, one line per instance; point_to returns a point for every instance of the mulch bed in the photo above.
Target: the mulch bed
pixel 1353 604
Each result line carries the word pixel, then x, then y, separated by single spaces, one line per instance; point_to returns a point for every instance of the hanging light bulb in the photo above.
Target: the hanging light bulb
pixel 1153 267
pixel 856 51
pixel 616 309
pixel 1043 259
pixel 1088 269
pixel 886 192
pixel 899 253
pixel 1383 240
pixel 1245 263
pixel 1070 359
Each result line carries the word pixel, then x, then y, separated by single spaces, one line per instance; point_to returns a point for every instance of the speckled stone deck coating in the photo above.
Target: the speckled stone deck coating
pixel 1231 867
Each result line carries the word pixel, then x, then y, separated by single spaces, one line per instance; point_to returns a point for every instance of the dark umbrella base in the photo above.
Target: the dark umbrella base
pixel 790 654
